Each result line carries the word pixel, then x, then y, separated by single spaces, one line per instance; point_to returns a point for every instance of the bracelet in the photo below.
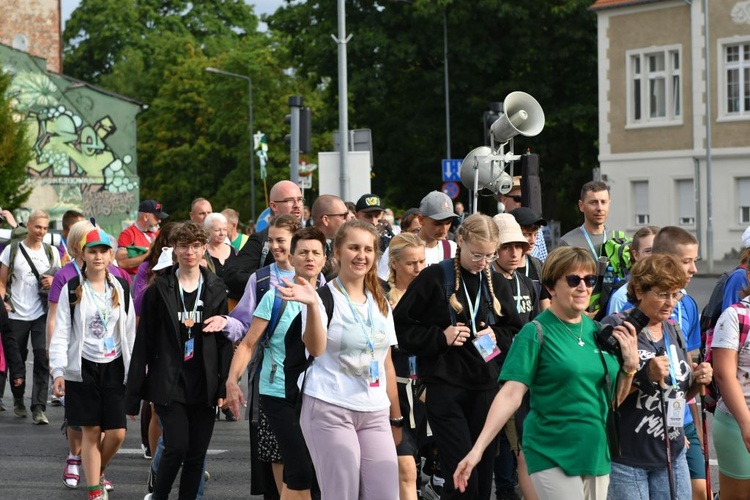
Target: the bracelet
pixel 397 422
pixel 627 373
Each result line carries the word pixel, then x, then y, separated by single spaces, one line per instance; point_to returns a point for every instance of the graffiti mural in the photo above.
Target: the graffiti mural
pixel 84 145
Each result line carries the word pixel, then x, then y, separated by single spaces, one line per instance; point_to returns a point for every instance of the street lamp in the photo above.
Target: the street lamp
pixel 250 116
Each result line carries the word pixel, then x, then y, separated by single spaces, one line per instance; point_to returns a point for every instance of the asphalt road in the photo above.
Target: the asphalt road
pixel 33 457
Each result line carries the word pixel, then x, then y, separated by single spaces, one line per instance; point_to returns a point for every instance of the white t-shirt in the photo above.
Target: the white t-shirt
pixel 25 287
pixel 340 376
pixel 727 336
pixel 432 256
pixel 100 345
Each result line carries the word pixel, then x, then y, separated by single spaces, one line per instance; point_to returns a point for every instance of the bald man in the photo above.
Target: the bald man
pixel 286 198
pixel 329 212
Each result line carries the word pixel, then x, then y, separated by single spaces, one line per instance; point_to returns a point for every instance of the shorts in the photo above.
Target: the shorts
pixel 99 400
pixel 284 421
pixel 733 457
pixel 408 445
pixel 695 458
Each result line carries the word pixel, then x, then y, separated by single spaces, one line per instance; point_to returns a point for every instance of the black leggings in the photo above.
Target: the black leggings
pixel 187 430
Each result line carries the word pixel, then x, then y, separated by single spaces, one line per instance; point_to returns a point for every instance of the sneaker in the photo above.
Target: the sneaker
pixel 146 452
pixel 151 480
pixel 106 485
pixel 19 408
pixel 147 497
pixel 72 472
pixel 39 418
pixel 55 401
pixel 206 475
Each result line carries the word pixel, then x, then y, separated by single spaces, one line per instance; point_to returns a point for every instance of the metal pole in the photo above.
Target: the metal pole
pixel 295 103
pixel 447 89
pixel 342 40
pixel 709 167
pixel 252 142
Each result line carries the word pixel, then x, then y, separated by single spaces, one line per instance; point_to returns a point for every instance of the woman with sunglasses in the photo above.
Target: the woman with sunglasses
pixel 458 318
pixel 663 382
pixel 558 360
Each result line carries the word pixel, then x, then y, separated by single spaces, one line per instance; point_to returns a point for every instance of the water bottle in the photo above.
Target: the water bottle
pixel 609 275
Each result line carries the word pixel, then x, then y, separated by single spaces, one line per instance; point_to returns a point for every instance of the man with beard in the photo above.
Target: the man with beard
pixel 134 242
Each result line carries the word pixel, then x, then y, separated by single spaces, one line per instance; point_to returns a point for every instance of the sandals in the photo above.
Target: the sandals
pixel 71 474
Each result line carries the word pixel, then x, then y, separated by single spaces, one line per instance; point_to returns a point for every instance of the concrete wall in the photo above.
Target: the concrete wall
pixel 38 23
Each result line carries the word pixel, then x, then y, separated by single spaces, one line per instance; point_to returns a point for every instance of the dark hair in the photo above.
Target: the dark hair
pixel 308 233
pixel 642 233
pixel 593 187
pixel 189 232
pixel 351 206
pixel 669 237
pixel 71 217
pixel 662 270
pixel 408 218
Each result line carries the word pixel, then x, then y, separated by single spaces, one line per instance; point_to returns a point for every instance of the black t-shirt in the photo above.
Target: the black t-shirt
pixel 191 387
pixel 531 272
pixel 526 299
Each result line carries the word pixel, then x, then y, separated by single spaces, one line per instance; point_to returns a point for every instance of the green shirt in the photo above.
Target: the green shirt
pixel 566 426
pixel 240 241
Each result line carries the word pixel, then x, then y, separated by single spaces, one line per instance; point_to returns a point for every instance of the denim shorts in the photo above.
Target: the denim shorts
pixel 632 483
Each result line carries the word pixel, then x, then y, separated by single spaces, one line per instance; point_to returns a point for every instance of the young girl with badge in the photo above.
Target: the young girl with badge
pixel 89 357
pixel 177 366
pixel 350 389
pixel 458 318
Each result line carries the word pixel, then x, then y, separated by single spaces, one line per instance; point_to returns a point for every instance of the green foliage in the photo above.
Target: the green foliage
pixel 15 153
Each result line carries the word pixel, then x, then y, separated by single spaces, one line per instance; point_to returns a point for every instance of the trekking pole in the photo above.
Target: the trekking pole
pixel 668 444
pixel 704 427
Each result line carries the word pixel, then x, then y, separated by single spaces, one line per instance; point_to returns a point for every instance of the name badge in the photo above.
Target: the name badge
pixel 374 374
pixel 108 347
pixel 189 349
pixel 675 412
pixel 487 347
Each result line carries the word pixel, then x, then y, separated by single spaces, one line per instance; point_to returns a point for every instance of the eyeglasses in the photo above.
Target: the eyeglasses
pixel 478 257
pixel 573 280
pixel 343 216
pixel 291 201
pixel 195 247
pixel 665 296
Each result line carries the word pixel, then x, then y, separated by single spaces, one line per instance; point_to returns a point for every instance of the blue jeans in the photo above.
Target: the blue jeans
pixel 157 458
pixel 632 483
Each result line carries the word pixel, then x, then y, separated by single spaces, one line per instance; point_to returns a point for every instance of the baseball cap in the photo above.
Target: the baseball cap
pixel 516 181
pixel 96 238
pixel 510 230
pixel 746 238
pixel 369 203
pixel 437 206
pixel 526 217
pixel 165 259
pixel 152 207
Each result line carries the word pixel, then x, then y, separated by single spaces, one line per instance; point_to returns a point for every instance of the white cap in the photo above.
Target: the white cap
pixel 746 238
pixel 165 259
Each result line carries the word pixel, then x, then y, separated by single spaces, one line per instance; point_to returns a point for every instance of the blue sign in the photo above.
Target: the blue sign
pixel 263 219
pixel 451 189
pixel 451 169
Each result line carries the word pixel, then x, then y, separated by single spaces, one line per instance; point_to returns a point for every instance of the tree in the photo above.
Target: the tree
pixel 15 153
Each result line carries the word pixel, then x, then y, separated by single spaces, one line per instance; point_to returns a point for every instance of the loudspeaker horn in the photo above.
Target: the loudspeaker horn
pixel 488 169
pixel 523 115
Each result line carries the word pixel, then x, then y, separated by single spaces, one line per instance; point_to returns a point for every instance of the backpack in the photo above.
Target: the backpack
pixel 14 246
pixel 617 250
pixel 712 390
pixel 297 361
pixel 75 282
pixel 711 312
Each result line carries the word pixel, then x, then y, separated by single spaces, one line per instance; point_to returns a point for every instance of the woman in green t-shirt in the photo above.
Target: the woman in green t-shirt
pixel 564 438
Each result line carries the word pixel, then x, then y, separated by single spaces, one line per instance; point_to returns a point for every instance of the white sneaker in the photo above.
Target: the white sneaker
pixel 147 497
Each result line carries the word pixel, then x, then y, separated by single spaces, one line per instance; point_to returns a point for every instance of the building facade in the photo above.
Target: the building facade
pixel 33 26
pixel 653 88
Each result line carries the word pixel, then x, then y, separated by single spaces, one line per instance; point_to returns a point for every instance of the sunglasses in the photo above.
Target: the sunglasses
pixel 573 280
pixel 515 198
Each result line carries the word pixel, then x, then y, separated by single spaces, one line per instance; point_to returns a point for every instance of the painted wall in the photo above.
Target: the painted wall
pixel 84 142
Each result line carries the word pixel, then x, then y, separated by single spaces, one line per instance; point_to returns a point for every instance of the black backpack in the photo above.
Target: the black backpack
pixel 710 314
pixel 74 283
pixel 297 362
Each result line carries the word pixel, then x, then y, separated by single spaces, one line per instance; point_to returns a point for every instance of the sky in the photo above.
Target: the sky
pixel 261 7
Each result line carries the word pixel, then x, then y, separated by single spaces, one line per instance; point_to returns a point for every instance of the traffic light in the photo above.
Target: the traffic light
pixel 490 117
pixel 305 130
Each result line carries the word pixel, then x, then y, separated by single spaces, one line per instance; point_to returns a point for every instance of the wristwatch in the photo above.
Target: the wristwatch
pixel 397 422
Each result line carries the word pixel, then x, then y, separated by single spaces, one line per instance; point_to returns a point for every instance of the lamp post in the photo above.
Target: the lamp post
pixel 250 116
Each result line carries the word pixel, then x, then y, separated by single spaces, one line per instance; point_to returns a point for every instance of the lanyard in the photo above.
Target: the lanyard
pixel 78 269
pixel 588 239
pixel 678 308
pixel 473 311
pixel 358 317
pixel 668 348
pixel 185 314
pixel 518 292
pixel 103 315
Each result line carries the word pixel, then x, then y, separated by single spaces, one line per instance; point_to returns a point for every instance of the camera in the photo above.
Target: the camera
pixel 609 343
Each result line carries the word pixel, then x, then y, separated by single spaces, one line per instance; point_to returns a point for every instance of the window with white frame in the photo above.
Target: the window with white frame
pixel 685 202
pixel 743 199
pixel 654 90
pixel 737 79
pixel 640 202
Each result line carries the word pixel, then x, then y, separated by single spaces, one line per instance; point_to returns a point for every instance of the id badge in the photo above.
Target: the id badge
pixel 487 347
pixel 374 374
pixel 675 412
pixel 413 367
pixel 108 347
pixel 189 349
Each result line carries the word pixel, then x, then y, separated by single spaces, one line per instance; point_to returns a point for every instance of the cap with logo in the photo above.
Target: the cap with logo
pixel 97 238
pixel 437 206
pixel 152 207
pixel 369 203
pixel 526 217
pixel 510 231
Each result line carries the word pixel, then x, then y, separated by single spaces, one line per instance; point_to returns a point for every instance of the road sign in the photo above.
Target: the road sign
pixel 451 189
pixel 263 219
pixel 450 169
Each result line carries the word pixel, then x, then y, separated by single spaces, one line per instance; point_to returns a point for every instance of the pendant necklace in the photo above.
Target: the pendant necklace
pixel 580 331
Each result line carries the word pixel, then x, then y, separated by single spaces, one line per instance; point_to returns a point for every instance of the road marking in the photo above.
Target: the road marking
pixel 138 451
